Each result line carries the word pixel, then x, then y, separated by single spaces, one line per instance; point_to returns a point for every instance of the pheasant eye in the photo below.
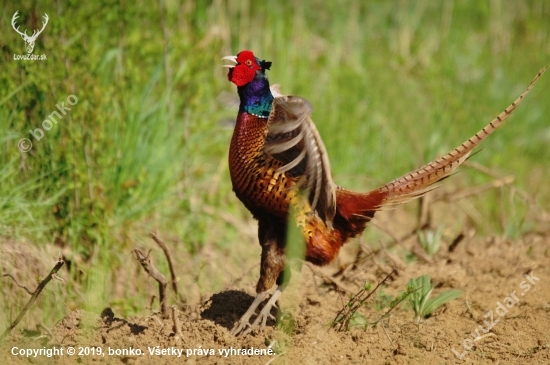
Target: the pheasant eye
pixel 248 62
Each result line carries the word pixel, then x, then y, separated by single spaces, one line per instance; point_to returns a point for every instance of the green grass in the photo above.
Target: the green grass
pixel 420 290
pixel 393 85
pixel 429 239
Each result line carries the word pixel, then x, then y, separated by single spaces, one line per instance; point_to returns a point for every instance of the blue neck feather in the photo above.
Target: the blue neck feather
pixel 256 98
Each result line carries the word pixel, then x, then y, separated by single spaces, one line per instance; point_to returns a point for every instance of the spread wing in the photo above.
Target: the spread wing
pixel 293 140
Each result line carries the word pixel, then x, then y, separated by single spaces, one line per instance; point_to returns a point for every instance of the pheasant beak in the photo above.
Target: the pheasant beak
pixel 230 58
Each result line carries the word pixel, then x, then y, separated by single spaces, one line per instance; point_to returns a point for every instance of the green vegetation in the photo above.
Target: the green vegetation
pixel 349 316
pixel 429 239
pixel 393 85
pixel 418 291
pixel 421 289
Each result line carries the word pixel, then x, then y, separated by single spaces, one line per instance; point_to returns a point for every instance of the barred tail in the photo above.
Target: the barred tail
pixel 424 179
pixel 355 210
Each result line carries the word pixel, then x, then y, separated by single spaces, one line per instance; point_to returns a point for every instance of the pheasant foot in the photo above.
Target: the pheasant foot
pixel 243 327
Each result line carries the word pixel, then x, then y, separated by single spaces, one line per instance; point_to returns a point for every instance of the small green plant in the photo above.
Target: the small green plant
pixel 358 320
pixel 286 323
pixel 394 303
pixel 429 239
pixel 420 290
pixel 348 316
pixel 383 301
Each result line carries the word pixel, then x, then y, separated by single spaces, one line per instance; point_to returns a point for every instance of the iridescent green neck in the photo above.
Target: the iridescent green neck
pixel 256 98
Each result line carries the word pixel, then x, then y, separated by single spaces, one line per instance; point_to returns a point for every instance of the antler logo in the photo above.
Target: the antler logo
pixel 29 40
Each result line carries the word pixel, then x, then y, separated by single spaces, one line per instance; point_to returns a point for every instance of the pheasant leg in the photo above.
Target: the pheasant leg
pixel 243 327
pixel 245 319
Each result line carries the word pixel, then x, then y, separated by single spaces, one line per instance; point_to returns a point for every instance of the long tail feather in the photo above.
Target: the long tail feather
pixel 424 179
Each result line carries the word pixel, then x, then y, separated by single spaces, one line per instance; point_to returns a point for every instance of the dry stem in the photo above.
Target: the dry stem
pixel 34 295
pixel 177 329
pixel 344 316
pixel 170 261
pixel 147 265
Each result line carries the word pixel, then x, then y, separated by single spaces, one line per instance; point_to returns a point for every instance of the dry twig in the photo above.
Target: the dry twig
pixel 337 282
pixel 344 316
pixel 456 241
pixel 147 265
pixel 170 261
pixel 389 338
pixel 476 190
pixel 42 328
pixel 399 241
pixel 241 277
pixel 19 285
pixel 177 329
pixel 35 295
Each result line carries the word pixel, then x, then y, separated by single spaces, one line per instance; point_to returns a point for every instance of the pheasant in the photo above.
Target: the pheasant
pixel 281 172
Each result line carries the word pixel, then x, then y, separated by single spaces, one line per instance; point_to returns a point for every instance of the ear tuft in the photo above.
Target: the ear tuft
pixel 265 65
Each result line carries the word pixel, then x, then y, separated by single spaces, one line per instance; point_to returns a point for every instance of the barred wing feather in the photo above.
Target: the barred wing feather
pixel 293 139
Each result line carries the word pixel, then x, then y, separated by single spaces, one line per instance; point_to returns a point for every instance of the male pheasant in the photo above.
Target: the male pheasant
pixel 280 171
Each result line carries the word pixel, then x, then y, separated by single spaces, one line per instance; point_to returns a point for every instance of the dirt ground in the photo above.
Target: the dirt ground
pixel 490 270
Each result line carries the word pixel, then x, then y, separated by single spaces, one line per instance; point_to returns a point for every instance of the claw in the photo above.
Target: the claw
pixel 243 327
pixel 244 322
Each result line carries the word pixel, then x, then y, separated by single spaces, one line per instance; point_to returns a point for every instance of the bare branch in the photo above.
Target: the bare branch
pixel 344 316
pixel 177 328
pixel 475 190
pixel 337 282
pixel 147 265
pixel 42 327
pixel 170 261
pixel 19 285
pixel 35 295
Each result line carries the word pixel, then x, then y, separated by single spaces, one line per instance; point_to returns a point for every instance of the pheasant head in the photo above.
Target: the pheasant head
pixel 253 86
pixel 246 68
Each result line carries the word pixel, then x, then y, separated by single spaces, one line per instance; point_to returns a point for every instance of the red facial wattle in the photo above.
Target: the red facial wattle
pixel 245 69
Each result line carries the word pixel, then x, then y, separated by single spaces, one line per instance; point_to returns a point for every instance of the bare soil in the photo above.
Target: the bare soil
pixel 490 270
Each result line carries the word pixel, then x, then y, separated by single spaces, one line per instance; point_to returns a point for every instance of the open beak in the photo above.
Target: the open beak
pixel 230 58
